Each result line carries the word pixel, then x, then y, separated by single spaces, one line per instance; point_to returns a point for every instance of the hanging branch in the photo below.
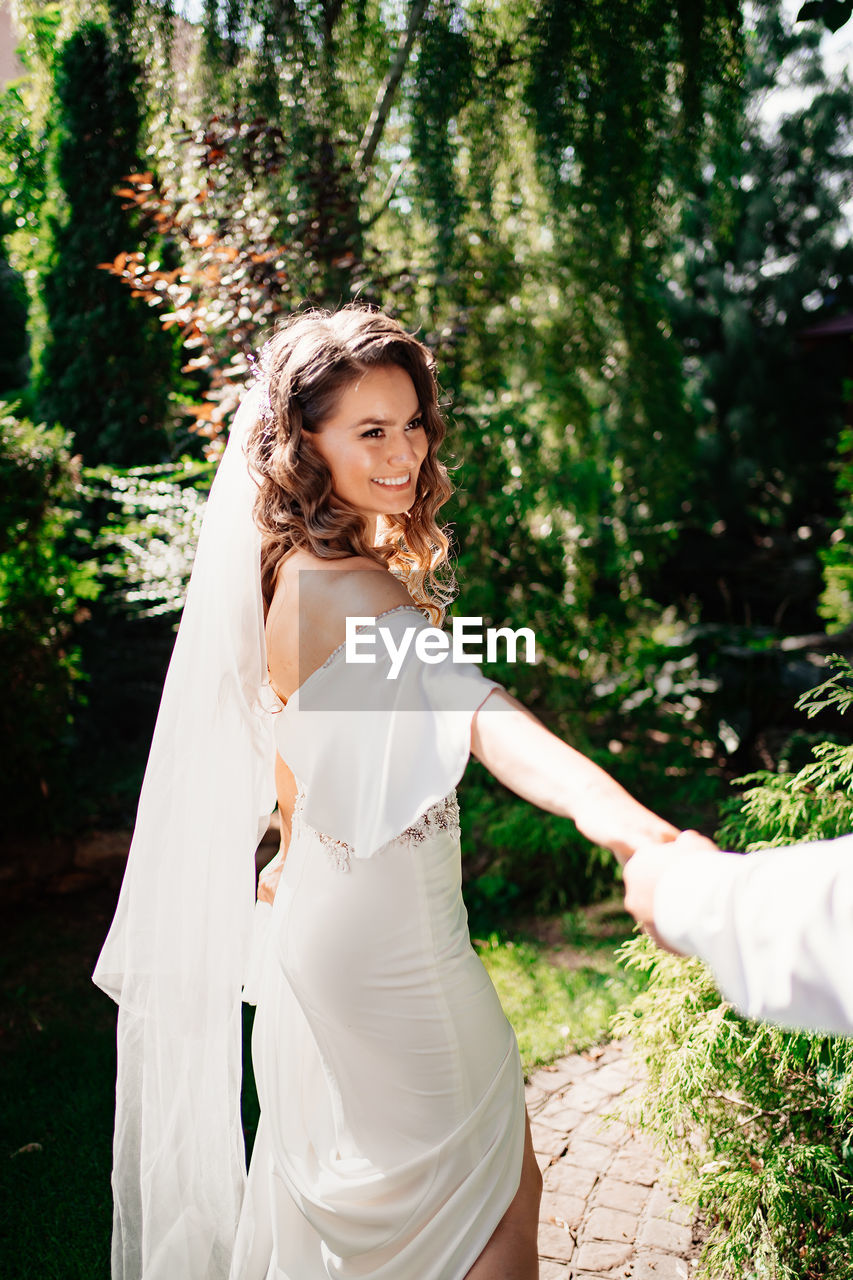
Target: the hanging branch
pixel 331 13
pixel 387 194
pixel 381 107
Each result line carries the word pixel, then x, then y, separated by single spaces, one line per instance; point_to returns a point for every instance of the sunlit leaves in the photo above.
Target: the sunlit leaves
pixel 148 541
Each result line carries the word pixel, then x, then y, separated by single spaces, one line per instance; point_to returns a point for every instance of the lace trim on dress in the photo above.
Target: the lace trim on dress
pixel 363 627
pixel 441 816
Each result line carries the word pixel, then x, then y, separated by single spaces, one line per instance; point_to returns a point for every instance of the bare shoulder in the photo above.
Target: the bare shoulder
pixel 352 587
pixel 318 596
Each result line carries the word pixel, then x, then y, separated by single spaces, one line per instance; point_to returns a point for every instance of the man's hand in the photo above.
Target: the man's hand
pixel 644 869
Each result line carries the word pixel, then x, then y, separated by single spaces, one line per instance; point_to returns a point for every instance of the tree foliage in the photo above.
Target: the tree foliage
pixel 836 602
pixel 14 357
pixel 150 520
pixel 46 586
pixel 834 13
pixel 763 255
pixel 559 199
pixel 106 366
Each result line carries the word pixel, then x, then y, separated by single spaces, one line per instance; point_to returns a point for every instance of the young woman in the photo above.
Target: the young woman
pixel 393 1142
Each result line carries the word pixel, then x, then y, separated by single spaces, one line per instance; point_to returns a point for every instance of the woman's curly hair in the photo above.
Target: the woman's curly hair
pixel 306 366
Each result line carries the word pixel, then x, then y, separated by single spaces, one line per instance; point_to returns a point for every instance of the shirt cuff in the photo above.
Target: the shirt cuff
pixel 690 899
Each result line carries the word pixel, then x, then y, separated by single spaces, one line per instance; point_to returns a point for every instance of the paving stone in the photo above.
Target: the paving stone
pixel 535 1099
pixel 544 1081
pixel 666 1237
pixel 609 1133
pixel 568 1180
pixel 578 1065
pixel 552 1080
pixel 574 1119
pixel 562 1210
pixel 588 1155
pixel 600 1275
pixel 611 1224
pixel 585 1097
pixel 615 1077
pixel 663 1204
pixel 627 1102
pixel 612 1050
pixel 546 1141
pixel 603 1182
pixel 593 1128
pixel 558 1104
pixel 641 1167
pixel 550 1270
pixel 659 1266
pixel 559 1117
pixel 611 1193
pixel 555 1242
pixel 601 1255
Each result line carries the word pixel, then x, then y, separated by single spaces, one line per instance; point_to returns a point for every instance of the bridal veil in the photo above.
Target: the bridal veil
pixel 176 952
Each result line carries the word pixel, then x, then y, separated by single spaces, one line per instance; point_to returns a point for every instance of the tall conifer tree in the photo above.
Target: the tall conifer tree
pixel 106 367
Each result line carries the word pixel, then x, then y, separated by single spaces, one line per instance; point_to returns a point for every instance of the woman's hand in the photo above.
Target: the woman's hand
pixel 644 869
pixel 269 878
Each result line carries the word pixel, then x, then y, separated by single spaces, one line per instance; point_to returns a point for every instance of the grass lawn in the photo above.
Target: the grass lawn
pixel 58 1054
pixel 557 980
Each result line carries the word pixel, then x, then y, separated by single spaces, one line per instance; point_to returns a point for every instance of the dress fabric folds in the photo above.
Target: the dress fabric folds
pixel 392 1102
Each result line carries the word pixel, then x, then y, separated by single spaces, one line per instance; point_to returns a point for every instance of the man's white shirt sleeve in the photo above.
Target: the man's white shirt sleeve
pixel 775 927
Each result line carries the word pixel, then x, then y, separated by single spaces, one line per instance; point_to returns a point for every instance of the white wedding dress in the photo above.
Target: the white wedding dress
pixel 392 1102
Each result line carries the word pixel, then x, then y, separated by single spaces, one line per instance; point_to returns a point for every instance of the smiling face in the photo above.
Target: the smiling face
pixel 374 443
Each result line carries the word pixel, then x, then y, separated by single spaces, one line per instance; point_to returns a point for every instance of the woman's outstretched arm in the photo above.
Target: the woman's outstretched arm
pixel 538 766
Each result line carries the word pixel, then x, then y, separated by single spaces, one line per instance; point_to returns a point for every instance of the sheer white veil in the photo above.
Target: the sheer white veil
pixel 176 952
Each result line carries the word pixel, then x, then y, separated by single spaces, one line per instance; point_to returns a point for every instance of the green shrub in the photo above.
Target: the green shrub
pixel 836 602
pixel 145 524
pixel 15 351
pixel 516 858
pixel 44 578
pixel 759 1119
pixel 107 366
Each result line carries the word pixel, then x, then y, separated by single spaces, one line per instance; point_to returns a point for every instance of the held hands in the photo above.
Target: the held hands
pixel 644 869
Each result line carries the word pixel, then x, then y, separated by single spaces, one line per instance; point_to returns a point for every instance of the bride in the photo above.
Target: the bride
pixel 393 1142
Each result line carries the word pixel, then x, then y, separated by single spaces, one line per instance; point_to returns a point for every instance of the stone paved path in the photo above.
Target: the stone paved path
pixel 607 1209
